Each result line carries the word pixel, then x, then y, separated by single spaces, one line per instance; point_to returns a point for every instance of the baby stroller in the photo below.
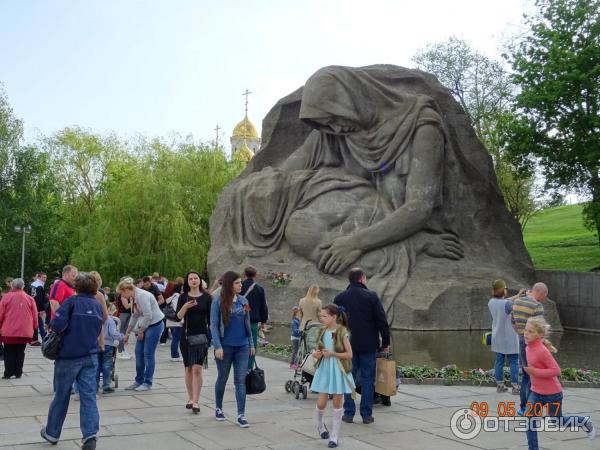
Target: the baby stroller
pixel 305 372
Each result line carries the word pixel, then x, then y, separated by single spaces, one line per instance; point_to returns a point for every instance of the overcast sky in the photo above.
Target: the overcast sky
pixel 153 67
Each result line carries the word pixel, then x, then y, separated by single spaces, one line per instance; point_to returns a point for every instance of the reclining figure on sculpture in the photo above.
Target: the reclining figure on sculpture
pixel 365 188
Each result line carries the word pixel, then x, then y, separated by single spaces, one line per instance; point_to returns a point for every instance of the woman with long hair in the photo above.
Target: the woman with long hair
pixel 310 305
pixel 193 306
pixel 232 340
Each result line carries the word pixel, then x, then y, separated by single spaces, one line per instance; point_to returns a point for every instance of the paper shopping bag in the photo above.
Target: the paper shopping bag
pixel 385 379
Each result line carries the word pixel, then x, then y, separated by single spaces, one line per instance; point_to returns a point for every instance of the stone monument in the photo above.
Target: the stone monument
pixel 374 167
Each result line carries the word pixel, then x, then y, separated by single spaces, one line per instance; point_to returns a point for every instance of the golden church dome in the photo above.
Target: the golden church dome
pixel 243 153
pixel 245 130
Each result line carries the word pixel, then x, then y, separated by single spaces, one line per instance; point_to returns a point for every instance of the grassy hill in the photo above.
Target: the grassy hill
pixel 557 240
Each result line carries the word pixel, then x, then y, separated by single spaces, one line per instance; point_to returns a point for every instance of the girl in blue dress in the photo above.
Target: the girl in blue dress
pixel 334 364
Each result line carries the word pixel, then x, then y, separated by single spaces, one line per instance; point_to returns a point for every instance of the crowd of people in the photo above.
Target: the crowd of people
pixel 96 327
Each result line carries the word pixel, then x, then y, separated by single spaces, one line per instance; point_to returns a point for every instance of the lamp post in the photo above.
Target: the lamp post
pixel 23 230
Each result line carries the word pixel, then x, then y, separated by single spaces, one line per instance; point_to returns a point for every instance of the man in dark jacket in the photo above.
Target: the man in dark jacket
pixel 80 317
pixel 38 292
pixel 367 321
pixel 259 312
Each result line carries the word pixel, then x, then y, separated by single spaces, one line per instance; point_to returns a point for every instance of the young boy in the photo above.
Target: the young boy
pixel 112 338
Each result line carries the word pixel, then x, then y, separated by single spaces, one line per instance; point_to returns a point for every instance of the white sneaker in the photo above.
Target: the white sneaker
pixel 124 355
pixel 143 387
pixel 590 430
pixel 177 359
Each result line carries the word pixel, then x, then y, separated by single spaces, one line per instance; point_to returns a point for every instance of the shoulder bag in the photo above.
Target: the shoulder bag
pixel 255 380
pixel 250 289
pixel 170 312
pixel 53 341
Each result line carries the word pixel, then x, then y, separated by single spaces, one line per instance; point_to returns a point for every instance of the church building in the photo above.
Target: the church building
pixel 245 141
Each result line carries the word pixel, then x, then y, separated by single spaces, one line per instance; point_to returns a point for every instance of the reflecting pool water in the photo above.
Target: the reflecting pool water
pixel 464 348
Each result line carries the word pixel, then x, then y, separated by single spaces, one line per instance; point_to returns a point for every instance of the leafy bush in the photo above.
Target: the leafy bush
pixel 279 350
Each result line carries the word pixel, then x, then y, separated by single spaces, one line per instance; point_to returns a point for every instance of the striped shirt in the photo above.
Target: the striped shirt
pixel 522 309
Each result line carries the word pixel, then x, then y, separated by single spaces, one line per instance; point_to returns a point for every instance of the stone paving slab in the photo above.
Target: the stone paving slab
pixel 419 417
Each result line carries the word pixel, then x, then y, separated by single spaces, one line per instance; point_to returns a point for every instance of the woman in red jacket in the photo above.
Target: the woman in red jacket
pixel 18 319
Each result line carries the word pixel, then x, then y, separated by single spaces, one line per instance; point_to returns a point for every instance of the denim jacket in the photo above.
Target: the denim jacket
pixel 217 327
pixel 296 333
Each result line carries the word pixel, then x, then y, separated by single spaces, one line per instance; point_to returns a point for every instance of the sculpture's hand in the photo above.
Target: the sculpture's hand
pixel 444 246
pixel 338 255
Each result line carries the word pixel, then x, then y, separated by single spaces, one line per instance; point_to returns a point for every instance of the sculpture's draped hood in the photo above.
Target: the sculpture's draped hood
pixel 385 118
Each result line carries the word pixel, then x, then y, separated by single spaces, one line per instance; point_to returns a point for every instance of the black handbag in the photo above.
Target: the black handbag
pixel 196 339
pixel 170 313
pixel 255 381
pixel 52 343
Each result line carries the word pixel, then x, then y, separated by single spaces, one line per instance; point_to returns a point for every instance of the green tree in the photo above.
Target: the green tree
pixel 485 91
pixel 81 159
pixel 29 195
pixel 154 211
pixel 557 68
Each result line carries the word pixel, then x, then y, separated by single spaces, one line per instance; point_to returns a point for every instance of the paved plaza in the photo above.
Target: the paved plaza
pixel 418 418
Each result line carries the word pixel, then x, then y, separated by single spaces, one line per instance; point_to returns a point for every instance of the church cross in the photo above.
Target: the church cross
pixel 247 93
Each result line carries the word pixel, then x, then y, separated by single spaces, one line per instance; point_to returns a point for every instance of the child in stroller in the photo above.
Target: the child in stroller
pixel 305 371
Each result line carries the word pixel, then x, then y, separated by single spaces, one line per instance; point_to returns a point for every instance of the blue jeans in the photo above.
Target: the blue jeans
pixel 105 366
pixel 41 328
pixel 175 337
pixel 145 354
pixel 535 404
pixel 66 372
pixel 363 372
pixel 525 380
pixel 238 356
pixel 513 361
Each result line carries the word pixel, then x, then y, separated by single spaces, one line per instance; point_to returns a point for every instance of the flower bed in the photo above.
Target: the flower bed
pixel 279 279
pixel 451 375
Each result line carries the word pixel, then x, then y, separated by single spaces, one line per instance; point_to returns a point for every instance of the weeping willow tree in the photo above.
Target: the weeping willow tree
pixel 154 212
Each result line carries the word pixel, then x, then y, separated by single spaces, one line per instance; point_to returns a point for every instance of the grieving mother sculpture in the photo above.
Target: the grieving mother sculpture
pixel 374 183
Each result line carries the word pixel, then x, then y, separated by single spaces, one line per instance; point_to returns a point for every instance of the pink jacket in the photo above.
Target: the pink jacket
pixel 545 381
pixel 18 315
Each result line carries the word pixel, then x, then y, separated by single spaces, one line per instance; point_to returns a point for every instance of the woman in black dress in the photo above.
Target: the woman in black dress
pixel 194 308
